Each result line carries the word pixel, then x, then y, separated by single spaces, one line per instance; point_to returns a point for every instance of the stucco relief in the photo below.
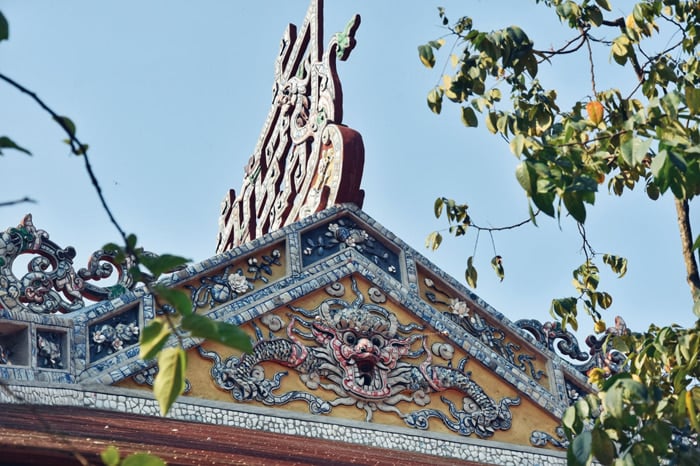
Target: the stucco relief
pixel 352 351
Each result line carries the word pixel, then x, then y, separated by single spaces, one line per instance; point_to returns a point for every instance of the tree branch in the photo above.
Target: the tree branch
pixel 509 227
pixel 18 201
pixel 620 22
pixel 76 146
pixel 691 265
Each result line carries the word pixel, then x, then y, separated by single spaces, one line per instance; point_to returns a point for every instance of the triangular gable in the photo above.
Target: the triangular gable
pixel 278 287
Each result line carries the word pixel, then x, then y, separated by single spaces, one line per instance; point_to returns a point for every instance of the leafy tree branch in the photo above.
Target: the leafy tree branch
pixel 646 136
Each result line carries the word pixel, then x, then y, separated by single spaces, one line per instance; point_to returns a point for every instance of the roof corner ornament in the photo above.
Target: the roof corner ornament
pixel 52 284
pixel 305 159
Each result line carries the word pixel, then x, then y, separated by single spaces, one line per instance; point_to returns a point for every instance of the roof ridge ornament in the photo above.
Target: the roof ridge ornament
pixel 51 284
pixel 305 160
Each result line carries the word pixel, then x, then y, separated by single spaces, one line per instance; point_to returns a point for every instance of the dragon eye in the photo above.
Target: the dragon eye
pixel 378 341
pixel 349 338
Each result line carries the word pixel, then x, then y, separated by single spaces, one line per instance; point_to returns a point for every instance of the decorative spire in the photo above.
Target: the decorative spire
pixel 305 160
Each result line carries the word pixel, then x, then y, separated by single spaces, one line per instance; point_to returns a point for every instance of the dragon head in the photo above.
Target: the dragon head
pixel 364 341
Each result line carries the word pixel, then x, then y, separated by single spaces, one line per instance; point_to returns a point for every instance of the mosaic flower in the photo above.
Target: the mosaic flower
pixel 105 333
pixel 126 332
pixel 117 344
pixel 459 307
pixel 238 283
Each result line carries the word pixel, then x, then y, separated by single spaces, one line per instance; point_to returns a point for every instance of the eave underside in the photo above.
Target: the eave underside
pixel 60 435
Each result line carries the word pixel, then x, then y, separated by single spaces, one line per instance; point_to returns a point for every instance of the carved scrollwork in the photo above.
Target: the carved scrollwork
pixel 539 438
pixel 305 160
pixel 553 337
pixel 231 284
pixel 51 284
pixel 472 322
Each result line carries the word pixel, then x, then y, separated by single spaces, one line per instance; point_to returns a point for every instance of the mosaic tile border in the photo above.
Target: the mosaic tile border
pixel 270 420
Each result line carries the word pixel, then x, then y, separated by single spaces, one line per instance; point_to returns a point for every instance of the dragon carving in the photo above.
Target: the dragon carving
pixel 363 355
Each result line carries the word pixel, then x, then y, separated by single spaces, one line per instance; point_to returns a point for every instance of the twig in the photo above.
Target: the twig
pixel 590 60
pixel 25 199
pixel 546 55
pixel 586 246
pixel 76 146
pixel 509 227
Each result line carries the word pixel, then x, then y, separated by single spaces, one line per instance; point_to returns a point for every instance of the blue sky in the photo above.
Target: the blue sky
pixel 171 97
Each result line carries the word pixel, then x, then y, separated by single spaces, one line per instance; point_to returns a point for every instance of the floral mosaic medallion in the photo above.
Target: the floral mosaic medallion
pixel 352 351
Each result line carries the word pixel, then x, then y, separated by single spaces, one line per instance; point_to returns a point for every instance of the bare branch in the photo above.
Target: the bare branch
pixel 590 61
pixel 563 50
pixel 77 148
pixel 25 199
pixel 509 227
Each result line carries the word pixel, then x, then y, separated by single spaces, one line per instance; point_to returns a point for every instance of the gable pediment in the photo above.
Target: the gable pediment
pixel 351 327
pixel 310 292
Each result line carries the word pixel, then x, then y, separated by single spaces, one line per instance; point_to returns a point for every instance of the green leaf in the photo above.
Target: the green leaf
pixel 110 456
pixel 617 264
pixel 497 264
pixel 620 49
pixel 143 459
pixel 652 190
pixel 435 100
pixel 491 122
pixel 522 174
pixel 692 402
pixel 569 417
pixel 579 452
pixel 634 150
pixel 153 338
pixel 516 144
pixel 425 53
pixel 131 242
pixel 158 265
pixel 470 274
pixel 603 448
pixel 605 4
pixel 67 125
pixel 440 203
pixel 595 16
pixel 177 298
pixel 433 240
pixel 604 299
pixel 4 28
pixel 696 244
pixel 469 117
pixel 7 143
pixel 170 380
pixel 574 204
pixel 692 99
pixel 619 344
pixel 222 332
